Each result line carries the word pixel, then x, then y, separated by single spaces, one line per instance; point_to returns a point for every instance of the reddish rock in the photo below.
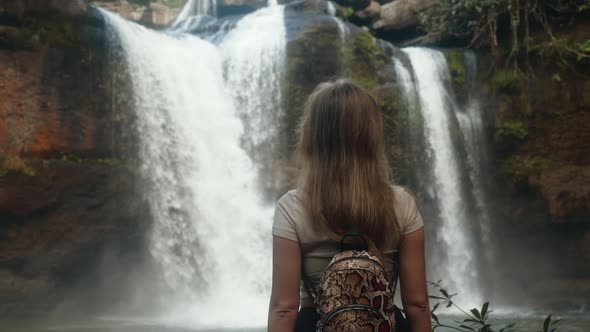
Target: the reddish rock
pixel 401 14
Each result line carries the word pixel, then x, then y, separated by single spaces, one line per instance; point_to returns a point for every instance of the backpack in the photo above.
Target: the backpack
pixel 354 293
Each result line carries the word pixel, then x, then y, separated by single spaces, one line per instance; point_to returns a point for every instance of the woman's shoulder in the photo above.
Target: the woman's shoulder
pixel 292 195
pixel 402 193
pixel 292 199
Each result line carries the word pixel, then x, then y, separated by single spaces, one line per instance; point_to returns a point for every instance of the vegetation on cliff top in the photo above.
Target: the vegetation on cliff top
pixel 482 23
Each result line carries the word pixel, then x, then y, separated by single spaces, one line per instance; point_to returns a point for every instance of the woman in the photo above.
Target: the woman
pixel 344 185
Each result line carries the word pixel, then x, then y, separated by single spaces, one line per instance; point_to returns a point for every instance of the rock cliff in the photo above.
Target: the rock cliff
pixel 66 193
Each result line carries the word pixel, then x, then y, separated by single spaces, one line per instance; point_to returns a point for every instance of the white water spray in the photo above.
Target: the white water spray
pixel 211 233
pixel 437 107
pixel 254 58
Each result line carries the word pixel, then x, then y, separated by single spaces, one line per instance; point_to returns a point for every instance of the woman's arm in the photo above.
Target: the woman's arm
pixel 286 277
pixel 413 281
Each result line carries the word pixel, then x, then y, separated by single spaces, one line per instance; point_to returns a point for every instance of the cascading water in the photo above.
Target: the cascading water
pixel 471 123
pixel 439 110
pixel 253 57
pixel 197 7
pixel 342 27
pixel 211 230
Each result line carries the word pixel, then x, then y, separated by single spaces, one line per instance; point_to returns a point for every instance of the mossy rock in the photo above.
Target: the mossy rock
pixel 456 63
pixel 15 164
pixel 518 170
pixel 507 82
pixel 363 59
pixel 344 12
pixel 53 32
pixel 511 130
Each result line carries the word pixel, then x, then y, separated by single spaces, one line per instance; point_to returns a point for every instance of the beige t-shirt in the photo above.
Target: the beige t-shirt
pixel 292 222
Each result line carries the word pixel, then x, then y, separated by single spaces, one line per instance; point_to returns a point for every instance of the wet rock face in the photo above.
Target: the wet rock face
pixel 66 195
pixel 154 15
pixel 21 8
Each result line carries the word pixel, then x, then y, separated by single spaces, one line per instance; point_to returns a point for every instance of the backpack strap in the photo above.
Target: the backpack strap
pixel 343 247
pixel 308 288
pixel 349 246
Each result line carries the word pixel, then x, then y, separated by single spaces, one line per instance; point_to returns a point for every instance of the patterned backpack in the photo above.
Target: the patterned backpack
pixel 354 293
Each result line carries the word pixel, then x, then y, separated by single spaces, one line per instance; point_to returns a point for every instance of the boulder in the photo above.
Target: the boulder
pixel 401 14
pixel 355 4
pixel 162 15
pixel 155 15
pixel 371 13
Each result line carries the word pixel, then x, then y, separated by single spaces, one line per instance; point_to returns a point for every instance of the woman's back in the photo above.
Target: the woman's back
pixel 292 221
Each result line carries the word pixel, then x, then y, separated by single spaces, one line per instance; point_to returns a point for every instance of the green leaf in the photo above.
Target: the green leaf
pixel 435 307
pixel 546 324
pixel 484 309
pixel 434 317
pixel 476 313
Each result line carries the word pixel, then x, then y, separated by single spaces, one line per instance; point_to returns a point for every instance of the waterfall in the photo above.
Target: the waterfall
pixel 457 262
pixel 342 27
pixel 194 9
pixel 253 57
pixel 471 123
pixel 211 230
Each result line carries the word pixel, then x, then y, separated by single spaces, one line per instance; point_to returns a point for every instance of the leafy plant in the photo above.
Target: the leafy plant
pixel 476 320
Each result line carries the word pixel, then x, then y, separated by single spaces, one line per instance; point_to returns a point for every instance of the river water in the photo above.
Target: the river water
pixel 532 323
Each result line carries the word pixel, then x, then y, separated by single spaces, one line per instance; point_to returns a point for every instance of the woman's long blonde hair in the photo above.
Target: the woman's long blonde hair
pixel 344 170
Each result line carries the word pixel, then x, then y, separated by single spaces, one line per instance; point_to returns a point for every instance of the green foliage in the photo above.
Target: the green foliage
pixel 16 164
pixel 519 170
pixel 476 320
pixel 550 325
pixel 478 21
pixel 568 6
pixel 459 17
pixel 506 82
pixel 511 130
pixel 344 12
pixel 456 66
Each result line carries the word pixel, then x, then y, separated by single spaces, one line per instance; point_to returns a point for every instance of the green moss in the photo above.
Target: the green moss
pixel 506 82
pixel 56 33
pixel 455 62
pixel 344 12
pixel 511 130
pixel 17 165
pixel 520 169
pixel 108 161
pixel 111 161
pixel 363 59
